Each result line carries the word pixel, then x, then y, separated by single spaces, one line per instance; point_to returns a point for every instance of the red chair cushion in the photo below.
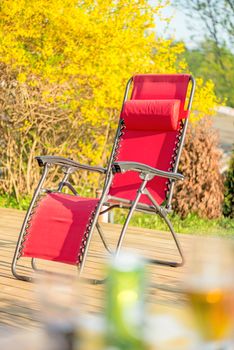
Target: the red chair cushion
pixel 151 115
pixel 58 227
pixel 148 147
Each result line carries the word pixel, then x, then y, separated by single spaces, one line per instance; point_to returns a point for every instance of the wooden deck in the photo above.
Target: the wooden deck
pixel 18 303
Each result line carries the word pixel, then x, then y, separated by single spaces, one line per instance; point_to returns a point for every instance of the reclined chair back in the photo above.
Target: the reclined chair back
pixel 152 125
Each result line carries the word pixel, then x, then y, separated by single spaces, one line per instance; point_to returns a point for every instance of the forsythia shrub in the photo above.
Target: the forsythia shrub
pixel 202 190
pixel 64 66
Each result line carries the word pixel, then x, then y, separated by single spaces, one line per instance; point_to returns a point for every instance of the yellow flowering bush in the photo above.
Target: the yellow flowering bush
pixel 64 66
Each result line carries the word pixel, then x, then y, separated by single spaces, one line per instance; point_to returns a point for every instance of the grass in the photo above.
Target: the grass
pixel 7 201
pixel 192 224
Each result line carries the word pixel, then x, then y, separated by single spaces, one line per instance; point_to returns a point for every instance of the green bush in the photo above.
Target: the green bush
pixel 228 208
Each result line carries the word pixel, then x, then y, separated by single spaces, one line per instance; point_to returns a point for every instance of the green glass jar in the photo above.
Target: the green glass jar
pixel 125 309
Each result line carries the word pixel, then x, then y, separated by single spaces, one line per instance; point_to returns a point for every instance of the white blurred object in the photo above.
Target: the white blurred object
pixel 225 110
pixel 60 308
pixel 165 332
pixel 91 334
pixel 26 340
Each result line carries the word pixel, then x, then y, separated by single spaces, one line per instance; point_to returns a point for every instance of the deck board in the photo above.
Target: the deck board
pixel 19 305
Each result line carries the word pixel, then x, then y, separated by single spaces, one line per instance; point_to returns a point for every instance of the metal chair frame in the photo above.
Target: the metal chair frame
pixel 146 173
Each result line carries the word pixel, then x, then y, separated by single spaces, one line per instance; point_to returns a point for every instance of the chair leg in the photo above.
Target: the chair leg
pixel 103 239
pixel 177 243
pixel 17 253
pixel 94 221
pixel 122 234
pixel 16 275
pixel 133 207
pixel 34 265
pixel 163 215
pixel 154 261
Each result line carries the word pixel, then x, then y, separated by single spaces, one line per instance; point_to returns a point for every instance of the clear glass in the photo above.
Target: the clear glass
pixel 209 288
pixel 60 308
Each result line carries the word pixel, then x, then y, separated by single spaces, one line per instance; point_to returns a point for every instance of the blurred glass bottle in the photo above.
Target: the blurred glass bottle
pixel 60 308
pixel 125 309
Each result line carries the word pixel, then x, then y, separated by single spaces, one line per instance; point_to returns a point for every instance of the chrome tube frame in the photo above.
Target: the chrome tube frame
pixel 94 223
pixel 110 163
pixel 103 239
pixel 134 204
pixel 163 215
pixel 107 184
pixel 156 208
pixel 22 232
pixel 185 126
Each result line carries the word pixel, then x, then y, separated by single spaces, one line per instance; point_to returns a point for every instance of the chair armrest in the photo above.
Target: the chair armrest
pixel 121 167
pixel 68 163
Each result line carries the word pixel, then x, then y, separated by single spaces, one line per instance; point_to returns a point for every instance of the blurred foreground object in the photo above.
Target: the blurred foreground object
pixel 165 331
pixel 209 287
pixel 125 309
pixel 91 333
pixel 60 309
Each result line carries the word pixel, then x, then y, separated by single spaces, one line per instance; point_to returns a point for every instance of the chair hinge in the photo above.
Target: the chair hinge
pixel 163 212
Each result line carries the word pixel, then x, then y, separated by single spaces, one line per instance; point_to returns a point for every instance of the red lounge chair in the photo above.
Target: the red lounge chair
pixel 140 175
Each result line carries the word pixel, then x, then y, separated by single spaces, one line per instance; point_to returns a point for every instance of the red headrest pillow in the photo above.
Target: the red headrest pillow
pixel 155 115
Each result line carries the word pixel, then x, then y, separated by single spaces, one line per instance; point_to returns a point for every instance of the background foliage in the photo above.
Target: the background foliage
pixel 212 30
pixel 64 66
pixel 228 209
pixel 203 62
pixel 215 18
pixel 202 190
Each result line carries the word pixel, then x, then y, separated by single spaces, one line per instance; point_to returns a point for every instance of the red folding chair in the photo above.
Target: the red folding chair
pixel 140 176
